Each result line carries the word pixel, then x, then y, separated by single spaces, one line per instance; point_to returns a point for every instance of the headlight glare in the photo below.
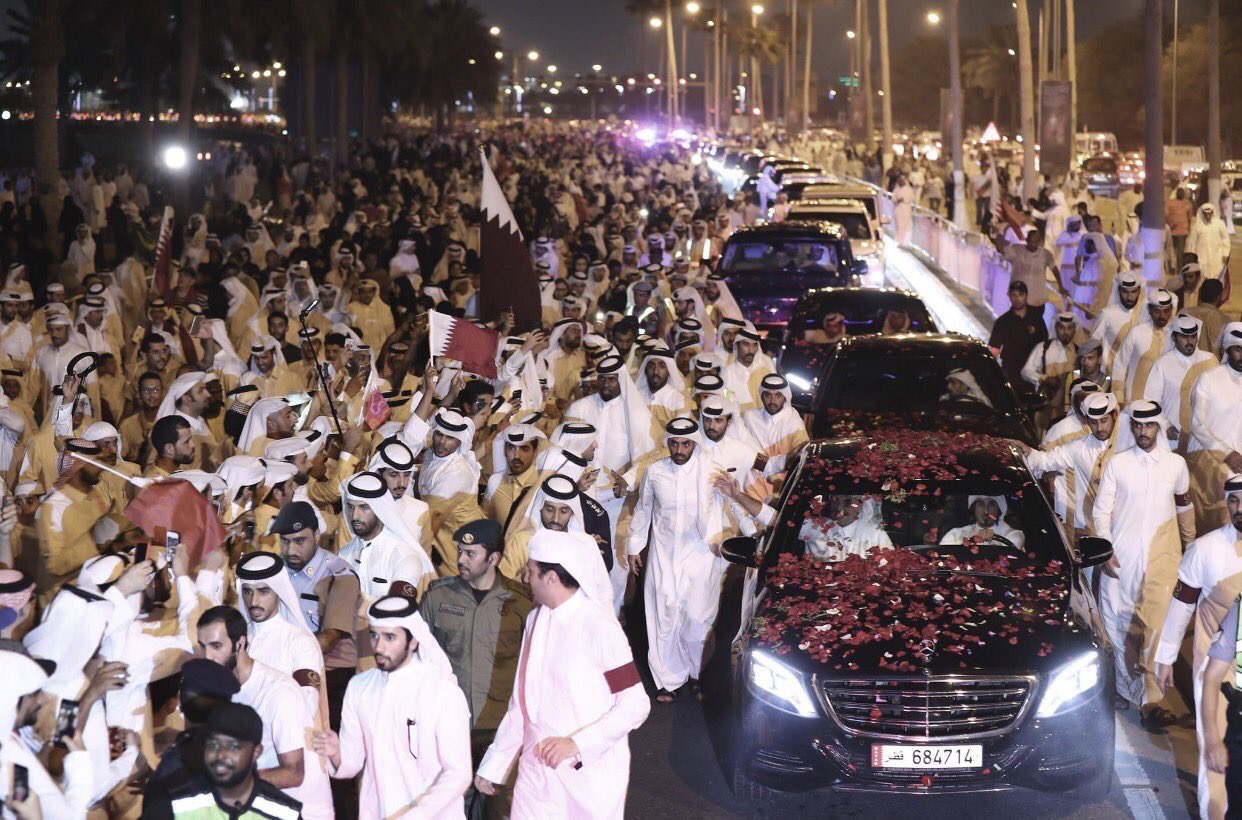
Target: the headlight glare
pixel 1067 683
pixel 778 685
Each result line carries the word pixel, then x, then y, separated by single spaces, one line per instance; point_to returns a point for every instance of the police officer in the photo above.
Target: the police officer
pixel 328 593
pixel 1223 678
pixel 478 616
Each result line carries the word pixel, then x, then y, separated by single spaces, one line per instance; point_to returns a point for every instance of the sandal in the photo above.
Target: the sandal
pixel 665 696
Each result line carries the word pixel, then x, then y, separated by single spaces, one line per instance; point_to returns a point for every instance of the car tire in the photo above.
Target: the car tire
pixel 745 788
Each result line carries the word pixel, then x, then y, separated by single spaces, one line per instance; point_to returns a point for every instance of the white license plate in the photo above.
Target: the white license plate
pixel 885 756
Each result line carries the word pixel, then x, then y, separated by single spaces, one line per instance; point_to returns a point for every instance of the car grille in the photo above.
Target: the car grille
pixel 935 707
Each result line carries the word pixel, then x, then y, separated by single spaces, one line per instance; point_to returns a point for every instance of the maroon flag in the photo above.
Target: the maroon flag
pixel 376 411
pixel 475 347
pixel 161 278
pixel 174 504
pixel 507 276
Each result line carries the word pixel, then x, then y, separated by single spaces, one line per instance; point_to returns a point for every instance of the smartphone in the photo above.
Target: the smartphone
pixel 196 324
pixel 67 719
pixel 21 783
pixel 171 542
pixel 140 553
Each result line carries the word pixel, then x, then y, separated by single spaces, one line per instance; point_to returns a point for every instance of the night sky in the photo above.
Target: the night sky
pixel 574 34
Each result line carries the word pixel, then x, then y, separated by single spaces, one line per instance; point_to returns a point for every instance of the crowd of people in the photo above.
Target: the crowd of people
pixel 425 577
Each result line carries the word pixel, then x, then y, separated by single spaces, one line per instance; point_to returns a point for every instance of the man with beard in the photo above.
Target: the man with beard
pixel 449 480
pixel 1215 450
pixel 230 787
pixel 1208 311
pixel 661 385
pixel 406 724
pixel 268 371
pixel 748 367
pixel 1174 375
pixel 327 592
pixel 382 548
pixel 1147 342
pixel 777 428
pixel 284 758
pixel 1081 460
pixel 154 354
pixel 478 617
pixel 189 398
pixel 1209 582
pixel 172 440
pixel 1015 333
pixel 65 519
pixel 1049 362
pixel 563 361
pixel 1140 506
pixel 987 514
pixel 16 340
pixel 370 315
pixel 1120 316
pixel 506 490
pixel 135 429
pixel 728 443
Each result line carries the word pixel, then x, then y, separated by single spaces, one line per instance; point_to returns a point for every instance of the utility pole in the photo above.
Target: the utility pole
pixel 1152 230
pixel 791 73
pixel 955 105
pixel 672 65
pixel 886 90
pixel 1071 62
pixel 1213 78
pixel 806 73
pixel 1173 95
pixel 864 33
pixel 1026 100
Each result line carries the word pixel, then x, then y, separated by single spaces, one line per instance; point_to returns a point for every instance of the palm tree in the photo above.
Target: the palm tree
pixel 989 65
pixel 764 45
pixel 1026 99
pixel 46 41
pixel 644 10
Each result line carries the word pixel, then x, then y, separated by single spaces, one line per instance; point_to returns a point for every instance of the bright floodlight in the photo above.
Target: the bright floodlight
pixel 532 55
pixel 933 17
pixel 597 68
pixel 692 8
pixel 756 9
pixel 647 135
pixel 655 22
pixel 500 55
pixel 1012 53
pixel 850 34
pixel 551 69
pixel 494 31
pixel 175 157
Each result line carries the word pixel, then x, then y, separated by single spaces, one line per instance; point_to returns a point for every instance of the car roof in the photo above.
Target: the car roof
pixel 792 227
pixel 840 291
pixel 1003 455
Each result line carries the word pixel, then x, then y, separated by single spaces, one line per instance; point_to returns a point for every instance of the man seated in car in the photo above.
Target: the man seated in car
pixel 830 331
pixel 962 386
pixel 896 320
pixel 816 261
pixel 989 524
pixel 848 525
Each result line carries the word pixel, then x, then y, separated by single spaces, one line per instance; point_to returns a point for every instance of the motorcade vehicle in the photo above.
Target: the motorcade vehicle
pixel 1102 174
pixel 855 220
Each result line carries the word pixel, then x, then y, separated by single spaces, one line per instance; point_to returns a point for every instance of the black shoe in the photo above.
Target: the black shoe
pixel 1156 719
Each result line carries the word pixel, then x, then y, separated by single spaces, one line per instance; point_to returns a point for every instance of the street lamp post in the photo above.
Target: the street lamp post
pixel 886 88
pixel 754 102
pixel 955 108
pixel 1026 100
pixel 1152 230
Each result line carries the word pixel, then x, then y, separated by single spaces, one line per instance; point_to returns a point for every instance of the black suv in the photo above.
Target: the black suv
pixel 923 665
pixel 907 379
pixel 769 266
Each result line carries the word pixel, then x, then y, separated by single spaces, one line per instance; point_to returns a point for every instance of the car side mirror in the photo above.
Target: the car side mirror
pixel 741 549
pixel 1092 550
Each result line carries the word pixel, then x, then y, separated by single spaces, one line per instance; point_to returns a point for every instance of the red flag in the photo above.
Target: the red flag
pixel 377 410
pixel 161 279
pixel 174 504
pixel 475 347
pixel 507 276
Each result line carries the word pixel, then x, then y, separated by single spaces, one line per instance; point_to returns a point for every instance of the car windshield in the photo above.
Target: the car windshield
pixel 856 225
pixel 913 380
pixel 863 312
pixel 797 254
pixel 848 503
pixel 816 192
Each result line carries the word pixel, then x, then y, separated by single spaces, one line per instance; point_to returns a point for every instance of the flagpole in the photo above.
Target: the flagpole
pixel 136 480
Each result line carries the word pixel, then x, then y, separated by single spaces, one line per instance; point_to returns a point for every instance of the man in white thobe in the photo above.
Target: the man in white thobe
pixel 1174 375
pixel 1209 582
pixel 576 697
pixel 661 385
pixel 1072 426
pixel 1209 240
pixel 987 524
pixel 776 426
pixel 449 480
pixel 1119 316
pixel 1143 507
pixel 743 373
pixel 1147 341
pixel 1215 449
pixel 383 553
pixel 404 724
pixel 1081 460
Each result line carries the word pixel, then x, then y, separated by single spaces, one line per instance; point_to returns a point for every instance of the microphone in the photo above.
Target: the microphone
pixel 311 305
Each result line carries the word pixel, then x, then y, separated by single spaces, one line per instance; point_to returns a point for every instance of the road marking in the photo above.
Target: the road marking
pixel 1136 785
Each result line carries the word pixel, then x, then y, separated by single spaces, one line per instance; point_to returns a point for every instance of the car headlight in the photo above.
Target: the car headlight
pixel 777 685
pixel 799 382
pixel 1067 683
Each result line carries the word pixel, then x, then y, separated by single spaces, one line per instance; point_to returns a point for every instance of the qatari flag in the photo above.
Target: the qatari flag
pixel 507 276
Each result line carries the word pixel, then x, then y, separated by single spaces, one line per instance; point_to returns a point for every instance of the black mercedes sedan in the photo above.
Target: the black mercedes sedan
pixel 934 381
pixel 915 621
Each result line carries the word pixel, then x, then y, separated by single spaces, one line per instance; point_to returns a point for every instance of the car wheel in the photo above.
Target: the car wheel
pixel 747 789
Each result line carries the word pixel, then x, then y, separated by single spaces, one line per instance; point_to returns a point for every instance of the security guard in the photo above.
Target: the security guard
pixel 328 592
pixel 1223 677
pixel 478 616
